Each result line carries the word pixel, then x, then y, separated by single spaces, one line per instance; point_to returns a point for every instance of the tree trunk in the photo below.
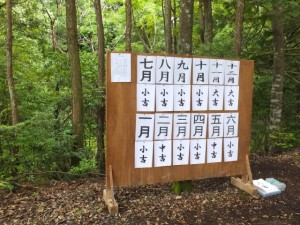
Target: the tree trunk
pixel 201 21
pixel 143 38
pixel 128 6
pixel 278 70
pixel 10 79
pixel 9 69
pixel 186 26
pixel 53 19
pixel 175 46
pixel 1 151
pixel 168 26
pixel 74 60
pixel 100 156
pixel 238 33
pixel 208 21
pixel 185 47
pixel 55 48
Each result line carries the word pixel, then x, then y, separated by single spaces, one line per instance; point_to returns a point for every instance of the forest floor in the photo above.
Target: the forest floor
pixel 212 201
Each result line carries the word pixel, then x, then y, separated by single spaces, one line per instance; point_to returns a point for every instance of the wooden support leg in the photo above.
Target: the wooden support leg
pixel 108 194
pixel 246 183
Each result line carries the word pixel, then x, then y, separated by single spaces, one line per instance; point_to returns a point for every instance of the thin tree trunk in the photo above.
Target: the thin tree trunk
pixel 10 78
pixel 186 26
pixel 128 6
pixel 168 26
pixel 238 33
pixel 143 37
pixel 278 70
pixel 208 21
pixel 74 60
pixel 100 156
pixel 175 46
pixel 55 48
pixel 1 151
pixel 201 21
pixel 9 69
pixel 53 19
pixel 185 47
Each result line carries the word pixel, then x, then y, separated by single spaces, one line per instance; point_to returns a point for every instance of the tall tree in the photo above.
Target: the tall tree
pixel 9 69
pixel 168 26
pixel 238 33
pixel 186 26
pixel 185 47
pixel 278 67
pixel 208 21
pixel 101 82
pixel 75 69
pixel 53 21
pixel 175 46
pixel 201 21
pixel 128 7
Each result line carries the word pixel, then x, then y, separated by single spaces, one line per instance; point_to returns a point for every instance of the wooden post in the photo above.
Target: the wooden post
pixel 246 183
pixel 108 194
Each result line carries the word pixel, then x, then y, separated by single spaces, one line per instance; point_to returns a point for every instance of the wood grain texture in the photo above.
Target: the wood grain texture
pixel 120 133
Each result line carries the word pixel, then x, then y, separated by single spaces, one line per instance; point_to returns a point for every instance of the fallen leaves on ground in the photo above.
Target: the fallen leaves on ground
pixel 212 201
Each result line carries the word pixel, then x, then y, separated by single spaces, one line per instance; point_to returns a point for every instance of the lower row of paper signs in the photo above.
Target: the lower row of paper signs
pixel 185 152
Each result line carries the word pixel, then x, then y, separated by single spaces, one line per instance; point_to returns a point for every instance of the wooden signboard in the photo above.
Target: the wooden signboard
pixel 176 117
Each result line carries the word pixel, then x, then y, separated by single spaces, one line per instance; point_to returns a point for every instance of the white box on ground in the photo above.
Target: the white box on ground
pixel 265 188
pixel 276 183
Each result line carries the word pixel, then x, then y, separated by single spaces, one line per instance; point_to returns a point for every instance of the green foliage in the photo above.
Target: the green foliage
pixel 42 78
pixel 41 147
pixel 180 186
pixel 85 166
pixel 5 184
pixel 260 115
pixel 283 141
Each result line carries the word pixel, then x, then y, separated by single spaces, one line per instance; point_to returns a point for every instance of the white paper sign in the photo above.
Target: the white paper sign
pixel 145 97
pixel 143 154
pixel 120 67
pixel 216 97
pixel 200 71
pixel 162 153
pixel 197 151
pixel 181 150
pixel 163 126
pixel 182 72
pixel 164 70
pixel 198 125
pixel 232 71
pixel 144 128
pixel 231 97
pixel 214 150
pixel 215 125
pixel 164 98
pixel 231 146
pixel 231 124
pixel 146 66
pixel 181 126
pixel 216 71
pixel 199 97
pixel 182 97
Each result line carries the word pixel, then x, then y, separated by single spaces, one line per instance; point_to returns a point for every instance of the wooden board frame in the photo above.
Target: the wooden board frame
pixel 120 133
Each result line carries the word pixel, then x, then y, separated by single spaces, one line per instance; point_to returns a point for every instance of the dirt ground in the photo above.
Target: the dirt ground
pixel 212 201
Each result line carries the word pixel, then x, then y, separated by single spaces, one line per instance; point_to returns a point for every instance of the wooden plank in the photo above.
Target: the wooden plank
pixel 247 187
pixel 249 173
pixel 121 114
pixel 108 194
pixel 112 205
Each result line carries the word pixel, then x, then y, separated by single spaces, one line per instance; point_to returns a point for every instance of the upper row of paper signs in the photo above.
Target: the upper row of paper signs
pixel 175 70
